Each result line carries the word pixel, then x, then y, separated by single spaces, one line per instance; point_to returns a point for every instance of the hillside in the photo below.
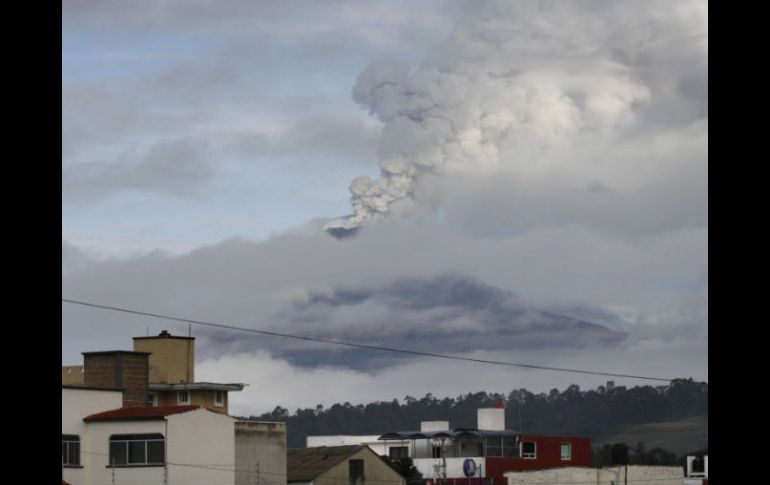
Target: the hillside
pixel 669 416
pixel 678 437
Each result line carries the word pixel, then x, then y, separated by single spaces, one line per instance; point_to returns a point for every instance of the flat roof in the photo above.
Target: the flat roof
pixel 197 386
pixel 84 388
pixel 158 337
pixel 110 352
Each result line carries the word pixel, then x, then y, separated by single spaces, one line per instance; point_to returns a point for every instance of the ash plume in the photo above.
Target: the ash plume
pixel 523 83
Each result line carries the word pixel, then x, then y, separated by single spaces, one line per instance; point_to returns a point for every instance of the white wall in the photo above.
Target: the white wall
pixel 75 405
pixel 434 425
pixel 200 438
pixel 491 419
pixel 454 466
pixel 660 475
pixel 637 475
pixel 79 403
pixel 587 476
pixel 95 451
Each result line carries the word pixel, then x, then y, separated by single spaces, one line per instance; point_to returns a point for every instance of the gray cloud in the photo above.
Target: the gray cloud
pixel 263 285
pixel 179 167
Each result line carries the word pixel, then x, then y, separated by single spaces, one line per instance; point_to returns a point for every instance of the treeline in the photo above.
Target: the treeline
pixel 591 413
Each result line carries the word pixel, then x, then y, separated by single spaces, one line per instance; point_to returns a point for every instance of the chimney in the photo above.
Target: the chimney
pixel 491 419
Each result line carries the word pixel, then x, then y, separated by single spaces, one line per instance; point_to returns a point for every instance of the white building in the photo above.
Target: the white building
pixel 168 445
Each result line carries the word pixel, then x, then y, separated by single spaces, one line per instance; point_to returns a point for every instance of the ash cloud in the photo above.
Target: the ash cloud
pixel 527 85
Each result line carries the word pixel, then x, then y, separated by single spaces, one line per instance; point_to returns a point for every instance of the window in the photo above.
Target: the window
pixel 529 449
pixel 436 451
pixel 219 398
pixel 509 446
pixel 356 472
pixel 137 449
pixel 493 446
pixel 566 451
pixel 183 397
pixel 398 452
pixel 153 399
pixel 70 450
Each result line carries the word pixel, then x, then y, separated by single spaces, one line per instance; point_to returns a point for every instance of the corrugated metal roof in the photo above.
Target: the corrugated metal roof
pixel 457 433
pixel 305 464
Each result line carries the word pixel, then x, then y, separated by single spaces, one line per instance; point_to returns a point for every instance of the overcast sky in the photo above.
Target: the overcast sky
pixel 538 156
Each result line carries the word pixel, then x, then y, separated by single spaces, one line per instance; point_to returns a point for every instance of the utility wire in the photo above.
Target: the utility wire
pixel 355 345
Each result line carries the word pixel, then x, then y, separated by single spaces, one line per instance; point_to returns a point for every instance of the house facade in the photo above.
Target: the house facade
pixel 113 432
pixel 340 465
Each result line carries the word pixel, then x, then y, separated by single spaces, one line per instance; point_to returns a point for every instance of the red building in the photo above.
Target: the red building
pixel 481 455
pixel 540 452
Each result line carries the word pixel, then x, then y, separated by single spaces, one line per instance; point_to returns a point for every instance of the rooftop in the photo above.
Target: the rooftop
pixel 455 433
pixel 138 414
pixel 306 464
pixel 197 386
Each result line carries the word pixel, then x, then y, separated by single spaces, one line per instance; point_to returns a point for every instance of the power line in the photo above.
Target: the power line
pixel 356 345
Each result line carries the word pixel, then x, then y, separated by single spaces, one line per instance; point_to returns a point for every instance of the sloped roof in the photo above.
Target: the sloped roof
pixel 147 413
pixel 305 464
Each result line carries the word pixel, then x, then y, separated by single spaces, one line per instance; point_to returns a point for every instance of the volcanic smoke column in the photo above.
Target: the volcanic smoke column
pixel 519 85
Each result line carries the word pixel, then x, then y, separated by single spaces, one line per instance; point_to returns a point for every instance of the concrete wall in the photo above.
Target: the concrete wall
pixel 72 375
pixel 204 438
pixel 644 475
pixel 454 466
pixel 376 471
pixel 491 419
pixel 172 358
pixel 637 475
pixel 75 405
pixel 95 454
pixel 260 446
pixel 587 476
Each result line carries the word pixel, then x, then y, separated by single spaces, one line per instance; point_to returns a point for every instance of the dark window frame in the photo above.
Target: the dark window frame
pixel 400 452
pixel 70 444
pixel 136 450
pixel 356 472
pixel 526 454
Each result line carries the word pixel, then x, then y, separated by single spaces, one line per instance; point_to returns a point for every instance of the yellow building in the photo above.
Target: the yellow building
pixel 172 374
pixel 160 371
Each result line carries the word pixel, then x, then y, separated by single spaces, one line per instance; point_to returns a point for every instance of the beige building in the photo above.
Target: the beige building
pixel 339 465
pixel 172 374
pixel 160 371
pixel 72 375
